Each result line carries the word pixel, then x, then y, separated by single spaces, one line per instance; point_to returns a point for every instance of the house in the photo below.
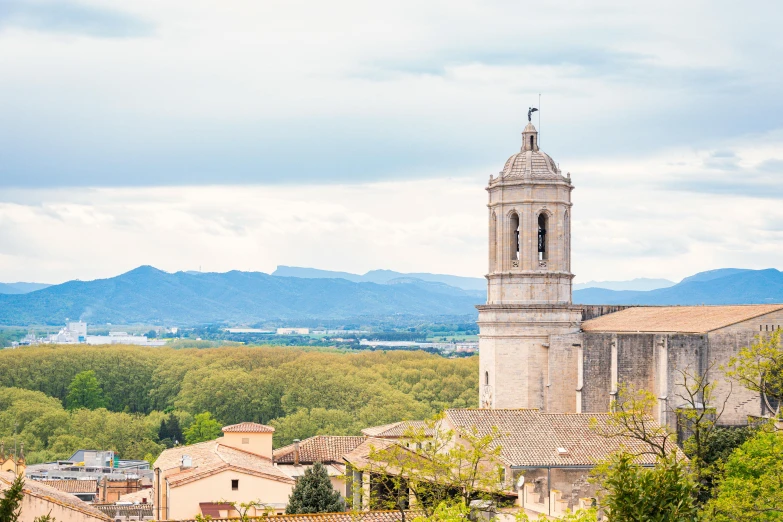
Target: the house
pixel 545 457
pixel 329 450
pixel 205 478
pixel 40 499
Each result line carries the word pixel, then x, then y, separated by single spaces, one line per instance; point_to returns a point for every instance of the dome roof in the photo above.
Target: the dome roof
pixel 530 164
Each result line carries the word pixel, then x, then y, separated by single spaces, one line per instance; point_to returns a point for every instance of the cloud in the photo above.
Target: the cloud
pixel 63 16
pixel 269 92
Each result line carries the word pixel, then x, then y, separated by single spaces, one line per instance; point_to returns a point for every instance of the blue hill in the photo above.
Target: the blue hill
pixel 151 296
pixel 716 287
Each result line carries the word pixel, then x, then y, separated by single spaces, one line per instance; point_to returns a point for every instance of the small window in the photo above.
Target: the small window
pixel 486 378
pixel 234 484
pixel 245 440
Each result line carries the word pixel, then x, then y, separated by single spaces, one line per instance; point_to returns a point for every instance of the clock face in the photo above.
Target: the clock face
pixel 486 397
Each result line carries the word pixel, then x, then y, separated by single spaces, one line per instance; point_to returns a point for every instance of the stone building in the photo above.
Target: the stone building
pixel 538 350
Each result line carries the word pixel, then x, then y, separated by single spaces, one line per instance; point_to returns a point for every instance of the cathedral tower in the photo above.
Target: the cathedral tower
pixel 529 281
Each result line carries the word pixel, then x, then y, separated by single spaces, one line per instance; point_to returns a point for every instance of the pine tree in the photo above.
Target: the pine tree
pixel 313 493
pixel 174 429
pixel 11 500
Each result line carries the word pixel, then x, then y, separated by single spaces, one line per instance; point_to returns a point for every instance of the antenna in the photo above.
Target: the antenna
pixel 539 120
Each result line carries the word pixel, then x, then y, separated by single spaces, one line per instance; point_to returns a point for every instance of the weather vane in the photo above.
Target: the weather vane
pixel 530 112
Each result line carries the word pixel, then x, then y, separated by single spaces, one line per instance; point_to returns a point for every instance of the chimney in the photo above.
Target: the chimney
pixel 296 452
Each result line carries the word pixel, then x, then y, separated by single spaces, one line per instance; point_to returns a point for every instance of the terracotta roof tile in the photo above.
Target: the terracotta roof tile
pixel 73 486
pixel 397 429
pixel 34 488
pixel 532 438
pixel 321 448
pixel 212 457
pixel 684 319
pixel 248 427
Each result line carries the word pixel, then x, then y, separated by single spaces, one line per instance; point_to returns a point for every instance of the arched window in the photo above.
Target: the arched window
pixel 543 222
pixel 531 142
pixel 486 378
pixel 514 237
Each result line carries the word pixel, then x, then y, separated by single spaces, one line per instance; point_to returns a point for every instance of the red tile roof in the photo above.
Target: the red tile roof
pixel 398 429
pixel 532 438
pixel 33 488
pixel 248 427
pixel 73 486
pixel 321 448
pixel 683 319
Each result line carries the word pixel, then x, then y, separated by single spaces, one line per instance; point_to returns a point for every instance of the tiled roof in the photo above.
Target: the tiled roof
pixel 321 448
pixel 359 457
pixel 213 457
pixel 532 438
pixel 360 516
pixel 73 486
pixel 138 496
pixel 684 319
pixel 248 427
pixel 398 429
pixel 46 493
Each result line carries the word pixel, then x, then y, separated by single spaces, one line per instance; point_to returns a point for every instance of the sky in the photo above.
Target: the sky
pixel 355 135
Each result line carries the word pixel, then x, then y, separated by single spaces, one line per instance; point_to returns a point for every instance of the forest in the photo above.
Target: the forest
pixel 57 399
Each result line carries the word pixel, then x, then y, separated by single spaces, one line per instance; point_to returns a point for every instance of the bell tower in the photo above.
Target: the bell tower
pixel 529 278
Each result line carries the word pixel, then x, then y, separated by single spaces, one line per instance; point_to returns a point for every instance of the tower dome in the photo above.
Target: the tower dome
pixel 530 161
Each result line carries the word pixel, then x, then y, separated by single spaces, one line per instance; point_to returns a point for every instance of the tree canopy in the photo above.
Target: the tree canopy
pixel 300 392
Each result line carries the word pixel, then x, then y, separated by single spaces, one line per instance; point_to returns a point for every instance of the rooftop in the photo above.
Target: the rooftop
pixel 213 457
pixel 532 438
pixel 683 319
pixel 352 516
pixel 73 486
pixel 46 493
pixel 398 429
pixel 321 448
pixel 248 427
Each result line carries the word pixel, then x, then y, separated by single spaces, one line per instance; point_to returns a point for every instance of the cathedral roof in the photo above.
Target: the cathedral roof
pixel 683 319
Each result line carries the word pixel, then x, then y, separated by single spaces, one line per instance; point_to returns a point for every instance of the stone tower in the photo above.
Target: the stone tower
pixel 529 282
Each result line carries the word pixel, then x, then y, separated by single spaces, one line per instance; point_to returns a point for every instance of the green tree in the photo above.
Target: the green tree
pixel 204 428
pixel 436 466
pixel 631 493
pixel 10 502
pixel 85 392
pixel 759 368
pixel 752 488
pixel 314 493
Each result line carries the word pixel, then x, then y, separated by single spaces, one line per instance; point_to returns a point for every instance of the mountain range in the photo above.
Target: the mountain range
pixel 151 296
pixel 715 287
pixel 21 288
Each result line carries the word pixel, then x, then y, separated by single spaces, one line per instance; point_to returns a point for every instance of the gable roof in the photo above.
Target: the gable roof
pixel 684 319
pixel 248 427
pixel 532 438
pixel 72 485
pixel 398 429
pixel 213 457
pixel 46 493
pixel 321 448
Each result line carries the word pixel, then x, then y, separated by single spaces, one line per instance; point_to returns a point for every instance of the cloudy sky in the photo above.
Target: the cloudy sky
pixel 354 135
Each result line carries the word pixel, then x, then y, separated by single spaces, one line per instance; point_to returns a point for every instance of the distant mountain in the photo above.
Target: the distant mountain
pixel 640 283
pixel 382 277
pixel 724 286
pixel 148 295
pixel 21 288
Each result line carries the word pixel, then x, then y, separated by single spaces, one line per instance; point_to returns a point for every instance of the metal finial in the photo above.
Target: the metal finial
pixel 530 112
